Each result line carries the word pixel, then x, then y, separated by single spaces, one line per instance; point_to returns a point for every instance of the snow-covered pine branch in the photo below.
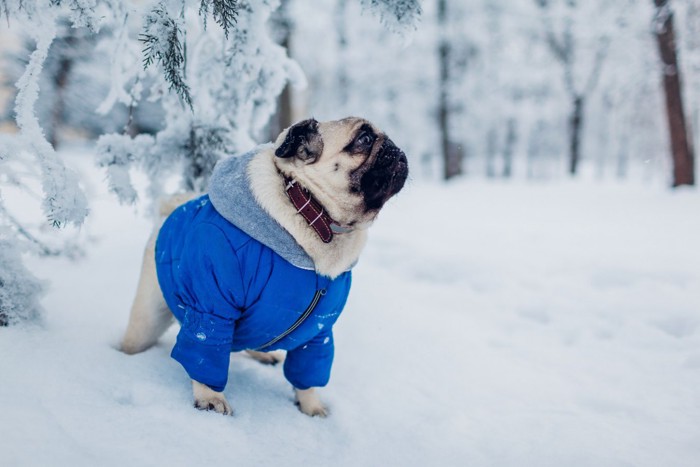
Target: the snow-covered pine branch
pixel 162 39
pixel 117 153
pixel 234 75
pixel 224 12
pixel 397 15
pixel 82 13
pixel 64 201
pixel 20 291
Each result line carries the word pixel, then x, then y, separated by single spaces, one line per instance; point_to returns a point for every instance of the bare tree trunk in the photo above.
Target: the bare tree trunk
pixel 622 159
pixel 59 107
pixel 491 145
pixel 61 77
pixel 564 46
pixel 284 109
pixel 341 66
pixel 509 147
pixel 681 145
pixel 451 153
pixel 283 117
pixel 575 127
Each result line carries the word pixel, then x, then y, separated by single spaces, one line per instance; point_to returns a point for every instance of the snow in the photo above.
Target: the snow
pixel 489 324
pixel 64 202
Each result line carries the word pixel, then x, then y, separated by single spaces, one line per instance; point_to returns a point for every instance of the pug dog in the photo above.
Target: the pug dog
pixel 262 262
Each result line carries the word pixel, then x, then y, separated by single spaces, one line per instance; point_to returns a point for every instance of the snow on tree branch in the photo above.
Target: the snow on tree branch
pixel 20 291
pixel 117 153
pixel 223 11
pixel 82 12
pixel 64 201
pixel 233 79
pixel 397 15
pixel 662 14
pixel 162 38
pixel 4 9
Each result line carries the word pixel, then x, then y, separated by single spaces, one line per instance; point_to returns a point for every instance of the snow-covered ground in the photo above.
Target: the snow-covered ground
pixel 489 325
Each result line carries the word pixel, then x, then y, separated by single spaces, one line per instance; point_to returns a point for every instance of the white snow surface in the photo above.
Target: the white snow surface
pixel 490 324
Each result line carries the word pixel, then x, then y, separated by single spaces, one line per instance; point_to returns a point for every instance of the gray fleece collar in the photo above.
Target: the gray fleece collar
pixel 230 194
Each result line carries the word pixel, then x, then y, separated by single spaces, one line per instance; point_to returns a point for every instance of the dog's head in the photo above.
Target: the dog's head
pixel 350 166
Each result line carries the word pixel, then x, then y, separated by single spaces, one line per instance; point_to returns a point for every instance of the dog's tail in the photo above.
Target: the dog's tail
pixel 169 204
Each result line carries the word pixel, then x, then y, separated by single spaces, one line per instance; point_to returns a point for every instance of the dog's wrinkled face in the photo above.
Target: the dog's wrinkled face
pixel 349 165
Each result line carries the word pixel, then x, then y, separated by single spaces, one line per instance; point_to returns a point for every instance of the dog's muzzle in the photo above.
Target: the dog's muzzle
pixel 386 177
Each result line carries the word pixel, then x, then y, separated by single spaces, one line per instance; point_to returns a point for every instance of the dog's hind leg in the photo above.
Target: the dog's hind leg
pixel 266 358
pixel 150 316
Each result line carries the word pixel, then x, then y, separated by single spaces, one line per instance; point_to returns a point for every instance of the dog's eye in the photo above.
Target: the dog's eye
pixel 365 139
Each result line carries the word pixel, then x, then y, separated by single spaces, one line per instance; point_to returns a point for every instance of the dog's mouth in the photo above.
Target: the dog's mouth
pixel 385 177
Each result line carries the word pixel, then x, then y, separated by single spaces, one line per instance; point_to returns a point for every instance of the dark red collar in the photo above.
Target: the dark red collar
pixel 312 211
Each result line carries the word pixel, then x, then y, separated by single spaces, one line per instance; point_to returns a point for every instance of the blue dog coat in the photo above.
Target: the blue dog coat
pixel 236 280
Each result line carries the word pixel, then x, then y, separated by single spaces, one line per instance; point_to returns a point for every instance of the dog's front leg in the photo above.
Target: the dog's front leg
pixel 308 402
pixel 205 398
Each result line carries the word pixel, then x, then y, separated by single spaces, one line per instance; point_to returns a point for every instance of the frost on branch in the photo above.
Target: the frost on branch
pixel 223 11
pixel 82 12
pixel 234 78
pixel 64 202
pixel 117 154
pixel 183 146
pixel 162 38
pixel 241 89
pixel 19 289
pixel 397 15
pixel 203 149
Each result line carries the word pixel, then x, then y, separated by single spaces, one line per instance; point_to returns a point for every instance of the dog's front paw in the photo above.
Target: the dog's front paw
pixel 206 398
pixel 309 403
pixel 217 404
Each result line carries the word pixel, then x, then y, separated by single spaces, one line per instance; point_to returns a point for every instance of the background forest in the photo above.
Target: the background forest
pixel 527 89
pixel 503 80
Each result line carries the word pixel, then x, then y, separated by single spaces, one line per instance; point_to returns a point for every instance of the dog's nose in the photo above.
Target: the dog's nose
pixel 389 144
pixel 402 157
pixel 390 153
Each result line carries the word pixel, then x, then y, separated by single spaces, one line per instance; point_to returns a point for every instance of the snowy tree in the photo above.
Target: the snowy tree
pixel 234 75
pixel 281 26
pixel 230 78
pixel 536 88
pixel 216 81
pixel 362 68
pixel 19 289
pixel 73 84
pixel 63 200
pixel 688 46
pixel 681 144
pixel 568 43
pixel 452 154
pixel 397 15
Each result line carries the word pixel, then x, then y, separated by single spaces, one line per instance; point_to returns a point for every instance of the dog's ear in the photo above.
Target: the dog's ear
pixel 303 141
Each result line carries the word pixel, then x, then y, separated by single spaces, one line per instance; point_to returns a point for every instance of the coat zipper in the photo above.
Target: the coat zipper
pixel 317 296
